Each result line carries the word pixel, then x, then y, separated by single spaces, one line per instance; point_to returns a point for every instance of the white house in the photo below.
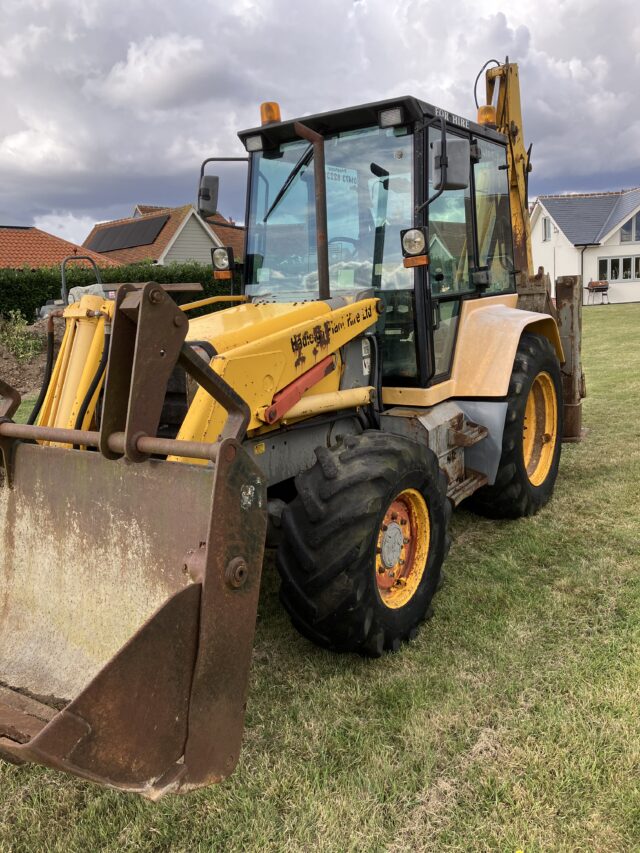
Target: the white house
pixel 595 235
pixel 164 235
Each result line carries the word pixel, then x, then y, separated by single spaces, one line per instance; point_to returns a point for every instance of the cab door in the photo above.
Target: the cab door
pixel 470 245
pixel 451 257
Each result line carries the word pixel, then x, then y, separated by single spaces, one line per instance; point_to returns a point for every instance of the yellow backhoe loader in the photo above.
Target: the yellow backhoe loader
pixel 374 372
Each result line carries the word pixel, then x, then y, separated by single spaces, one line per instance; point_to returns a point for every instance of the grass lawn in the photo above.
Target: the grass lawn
pixel 25 410
pixel 511 723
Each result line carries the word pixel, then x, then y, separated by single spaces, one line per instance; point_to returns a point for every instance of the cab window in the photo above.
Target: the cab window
pixel 450 237
pixel 495 244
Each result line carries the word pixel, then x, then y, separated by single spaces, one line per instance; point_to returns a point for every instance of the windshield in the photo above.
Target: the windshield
pixel 369 201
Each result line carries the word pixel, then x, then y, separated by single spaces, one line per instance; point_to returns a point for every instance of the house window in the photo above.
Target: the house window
pixel 614 273
pixel 630 231
pixel 546 228
pixel 619 269
pixel 603 269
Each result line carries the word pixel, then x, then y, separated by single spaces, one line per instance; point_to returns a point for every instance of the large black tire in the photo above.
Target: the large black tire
pixel 328 558
pixel 513 494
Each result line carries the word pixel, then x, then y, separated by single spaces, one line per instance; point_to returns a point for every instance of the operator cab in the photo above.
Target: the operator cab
pixel 383 176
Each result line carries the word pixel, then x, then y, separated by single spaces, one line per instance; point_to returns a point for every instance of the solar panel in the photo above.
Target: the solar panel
pixel 126 235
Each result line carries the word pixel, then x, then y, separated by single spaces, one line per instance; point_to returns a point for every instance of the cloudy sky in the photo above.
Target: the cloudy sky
pixel 106 103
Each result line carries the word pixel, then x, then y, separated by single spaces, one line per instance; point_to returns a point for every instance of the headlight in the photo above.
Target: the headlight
pixel 220 259
pixel 414 242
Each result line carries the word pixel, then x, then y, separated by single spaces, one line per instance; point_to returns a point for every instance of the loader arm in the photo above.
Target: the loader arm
pixel 274 357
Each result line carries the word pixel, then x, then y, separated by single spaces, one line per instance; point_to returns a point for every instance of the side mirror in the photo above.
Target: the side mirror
pixel 458 158
pixel 208 195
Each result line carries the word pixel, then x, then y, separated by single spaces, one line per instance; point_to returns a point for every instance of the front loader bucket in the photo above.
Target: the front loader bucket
pixel 128 599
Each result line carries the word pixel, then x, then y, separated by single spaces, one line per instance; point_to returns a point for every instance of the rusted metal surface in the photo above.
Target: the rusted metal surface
pixel 129 727
pixel 148 332
pixel 124 568
pixel 10 400
pixel 8 429
pixel 320 188
pixel 534 293
pixel 472 481
pixel 91 549
pixel 229 607
pixel 569 306
pixel 17 725
pixel 146 445
pixel 129 586
pixel 180 287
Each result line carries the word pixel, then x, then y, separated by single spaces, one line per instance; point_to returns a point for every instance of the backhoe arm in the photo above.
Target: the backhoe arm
pixel 508 120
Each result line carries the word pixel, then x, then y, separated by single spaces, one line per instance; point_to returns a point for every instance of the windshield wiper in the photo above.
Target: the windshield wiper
pixel 304 160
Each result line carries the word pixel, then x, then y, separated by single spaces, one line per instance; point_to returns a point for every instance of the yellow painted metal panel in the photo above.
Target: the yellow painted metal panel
pixel 488 337
pixel 250 322
pixel 260 368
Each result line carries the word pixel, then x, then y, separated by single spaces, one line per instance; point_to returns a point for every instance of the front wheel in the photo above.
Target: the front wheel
pixel 364 542
pixel 532 435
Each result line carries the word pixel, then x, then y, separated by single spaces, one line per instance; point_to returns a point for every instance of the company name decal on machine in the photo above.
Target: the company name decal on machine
pixel 451 118
pixel 320 336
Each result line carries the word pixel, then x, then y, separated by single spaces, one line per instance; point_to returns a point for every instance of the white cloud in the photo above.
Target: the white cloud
pixel 156 72
pixel 104 104
pixel 66 225
pixel 17 50
pixel 42 146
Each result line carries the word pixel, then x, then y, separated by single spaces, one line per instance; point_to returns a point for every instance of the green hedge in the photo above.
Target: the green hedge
pixel 27 290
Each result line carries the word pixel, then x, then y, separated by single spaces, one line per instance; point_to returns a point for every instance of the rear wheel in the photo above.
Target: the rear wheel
pixel 532 435
pixel 363 543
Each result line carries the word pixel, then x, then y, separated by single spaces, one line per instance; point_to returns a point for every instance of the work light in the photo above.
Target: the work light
pixel 391 117
pixel 414 241
pixel 254 143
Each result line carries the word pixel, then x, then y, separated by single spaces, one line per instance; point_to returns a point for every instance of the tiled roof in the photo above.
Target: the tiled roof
pixel 228 233
pixel 153 251
pixel 589 217
pixel 33 248
pixel 142 209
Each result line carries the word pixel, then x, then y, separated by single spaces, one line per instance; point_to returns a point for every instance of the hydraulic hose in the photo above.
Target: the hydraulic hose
pixel 97 376
pixel 47 369
pixel 376 372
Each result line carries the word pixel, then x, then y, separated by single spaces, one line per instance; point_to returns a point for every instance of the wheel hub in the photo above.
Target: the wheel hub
pixel 402 548
pixel 392 543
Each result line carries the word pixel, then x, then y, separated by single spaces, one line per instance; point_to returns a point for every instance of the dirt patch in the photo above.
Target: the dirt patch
pixel 26 376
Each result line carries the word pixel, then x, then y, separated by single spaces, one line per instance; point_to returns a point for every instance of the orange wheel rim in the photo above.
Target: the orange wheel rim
pixel 402 548
pixel 540 429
